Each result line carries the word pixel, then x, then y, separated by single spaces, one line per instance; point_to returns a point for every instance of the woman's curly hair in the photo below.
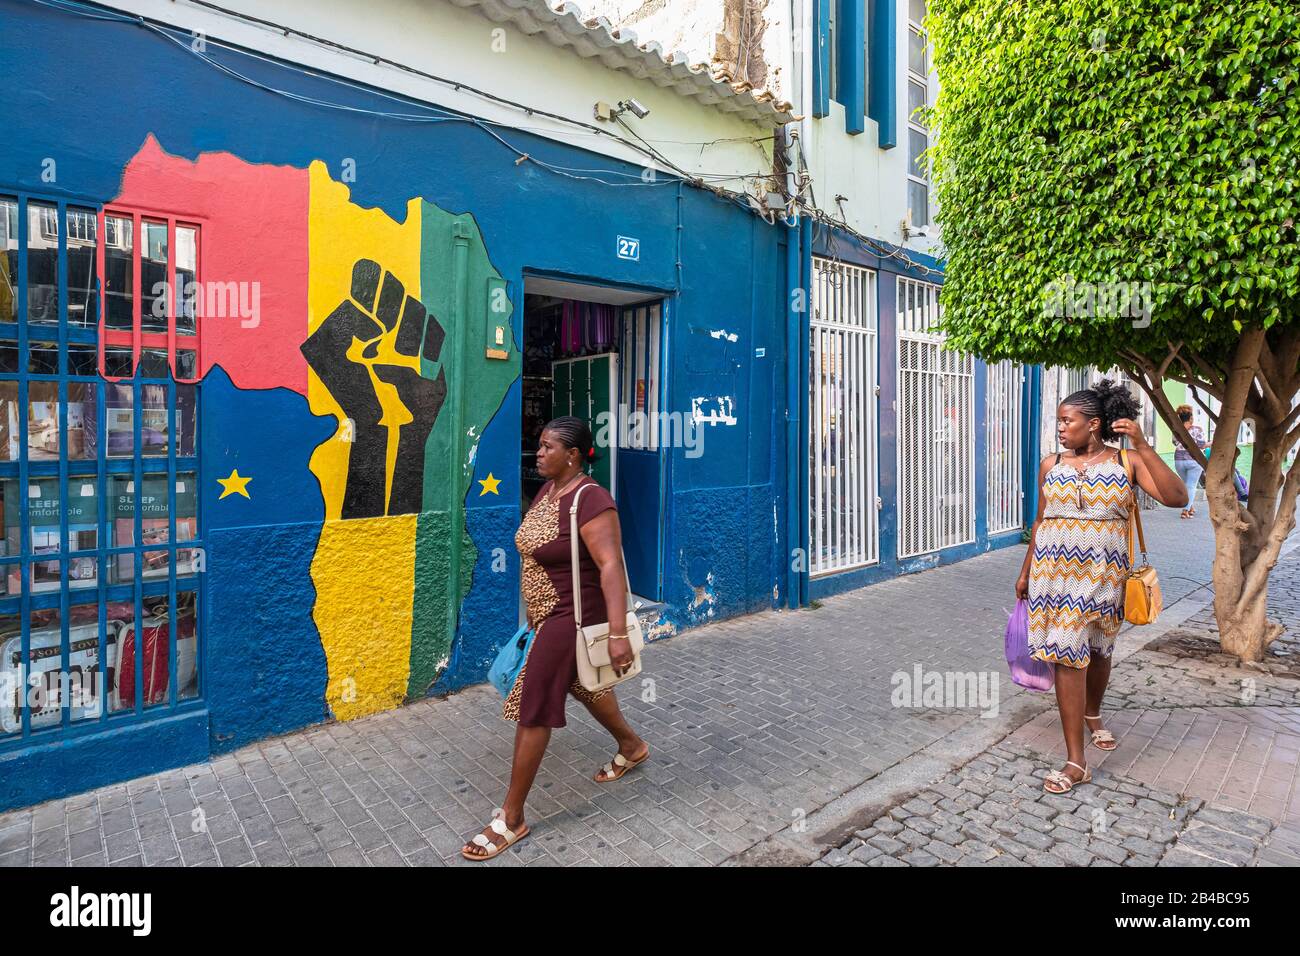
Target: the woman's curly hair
pixel 1106 400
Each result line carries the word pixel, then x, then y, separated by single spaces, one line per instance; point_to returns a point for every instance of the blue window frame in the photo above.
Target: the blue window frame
pixel 101 550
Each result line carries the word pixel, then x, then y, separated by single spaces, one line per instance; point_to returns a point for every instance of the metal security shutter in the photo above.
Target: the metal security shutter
pixel 936 429
pixel 1005 407
pixel 843 521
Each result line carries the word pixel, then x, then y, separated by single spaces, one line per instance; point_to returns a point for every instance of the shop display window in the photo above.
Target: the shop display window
pixel 99 518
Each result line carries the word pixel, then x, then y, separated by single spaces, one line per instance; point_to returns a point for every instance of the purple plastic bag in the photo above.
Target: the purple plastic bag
pixel 1025 671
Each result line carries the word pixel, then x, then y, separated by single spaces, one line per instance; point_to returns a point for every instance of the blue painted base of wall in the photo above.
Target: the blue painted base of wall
pixel 722 559
pixel 1006 540
pixel 47 771
pixel 833 584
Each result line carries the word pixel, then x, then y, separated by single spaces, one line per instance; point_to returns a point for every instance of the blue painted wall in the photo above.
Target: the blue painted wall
pixel 263 666
pixel 725 274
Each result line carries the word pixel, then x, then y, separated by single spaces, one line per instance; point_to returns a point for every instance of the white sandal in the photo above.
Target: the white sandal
pixel 491 847
pixel 617 767
pixel 1102 736
pixel 1062 780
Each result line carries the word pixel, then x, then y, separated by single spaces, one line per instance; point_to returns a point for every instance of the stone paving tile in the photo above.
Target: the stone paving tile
pixel 1111 821
pixel 753 720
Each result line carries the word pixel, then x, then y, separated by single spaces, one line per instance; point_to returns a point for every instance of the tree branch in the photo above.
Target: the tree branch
pixel 1291 418
pixel 1196 397
pixel 1211 373
pixel 1245 364
pixel 1289 358
pixel 1166 410
pixel 1194 381
pixel 1164 366
pixel 1268 369
pixel 1283 523
pixel 1290 440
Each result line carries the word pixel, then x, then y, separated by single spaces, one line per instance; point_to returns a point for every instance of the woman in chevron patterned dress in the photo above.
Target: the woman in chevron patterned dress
pixel 1078 559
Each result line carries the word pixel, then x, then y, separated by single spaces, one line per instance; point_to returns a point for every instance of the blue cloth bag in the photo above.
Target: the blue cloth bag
pixel 510 661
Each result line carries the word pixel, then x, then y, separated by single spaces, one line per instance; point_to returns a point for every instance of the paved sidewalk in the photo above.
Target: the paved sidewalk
pixel 757 725
pixel 1207 771
pixel 994 811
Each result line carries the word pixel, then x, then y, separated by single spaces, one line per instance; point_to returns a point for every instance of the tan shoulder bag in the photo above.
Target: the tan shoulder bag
pixel 1142 600
pixel 594 669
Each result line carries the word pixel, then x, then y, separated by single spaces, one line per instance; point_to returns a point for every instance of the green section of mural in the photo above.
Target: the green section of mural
pixel 460 286
pixel 430 638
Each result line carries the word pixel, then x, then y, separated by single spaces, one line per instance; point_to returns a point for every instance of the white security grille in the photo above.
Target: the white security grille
pixel 1005 407
pixel 640 376
pixel 843 522
pixel 1075 380
pixel 936 429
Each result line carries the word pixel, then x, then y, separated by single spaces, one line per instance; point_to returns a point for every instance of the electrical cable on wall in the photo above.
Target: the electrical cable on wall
pixel 74 8
pixel 822 218
pixel 643 146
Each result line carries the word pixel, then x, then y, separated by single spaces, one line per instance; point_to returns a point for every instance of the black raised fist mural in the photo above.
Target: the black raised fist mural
pixel 379 334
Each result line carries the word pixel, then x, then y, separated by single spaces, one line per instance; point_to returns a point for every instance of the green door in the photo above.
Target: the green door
pixel 585 388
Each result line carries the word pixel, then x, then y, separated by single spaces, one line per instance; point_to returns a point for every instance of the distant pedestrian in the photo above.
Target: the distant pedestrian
pixel 1188 468
pixel 550 671
pixel 1078 560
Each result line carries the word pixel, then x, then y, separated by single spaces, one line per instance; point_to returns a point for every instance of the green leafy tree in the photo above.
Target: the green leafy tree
pixel 1117 181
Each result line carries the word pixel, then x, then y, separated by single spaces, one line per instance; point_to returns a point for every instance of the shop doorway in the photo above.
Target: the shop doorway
pixel 594 352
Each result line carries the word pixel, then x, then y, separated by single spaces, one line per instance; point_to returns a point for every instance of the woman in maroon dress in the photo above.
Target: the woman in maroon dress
pixel 550 671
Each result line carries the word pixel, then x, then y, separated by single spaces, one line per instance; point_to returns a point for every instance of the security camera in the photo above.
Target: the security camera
pixel 910 231
pixel 640 110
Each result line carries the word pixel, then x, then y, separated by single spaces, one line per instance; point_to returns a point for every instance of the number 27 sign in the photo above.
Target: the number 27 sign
pixel 629 248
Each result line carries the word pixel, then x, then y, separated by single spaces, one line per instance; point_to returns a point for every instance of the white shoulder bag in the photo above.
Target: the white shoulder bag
pixel 594 670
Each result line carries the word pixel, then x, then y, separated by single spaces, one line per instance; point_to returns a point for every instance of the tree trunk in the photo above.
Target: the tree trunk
pixel 1247 540
pixel 1244 629
pixel 1259 381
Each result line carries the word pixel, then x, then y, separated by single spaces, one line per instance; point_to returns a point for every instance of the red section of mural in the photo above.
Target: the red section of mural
pixel 253 233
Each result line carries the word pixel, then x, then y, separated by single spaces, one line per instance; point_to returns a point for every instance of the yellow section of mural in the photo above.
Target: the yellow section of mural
pixel 340 234
pixel 364 571
pixel 364 568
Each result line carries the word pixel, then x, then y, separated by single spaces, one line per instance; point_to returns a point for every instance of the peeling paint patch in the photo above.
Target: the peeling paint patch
pixel 724 334
pixel 704 597
pixel 660 629
pixel 720 410
pixel 923 563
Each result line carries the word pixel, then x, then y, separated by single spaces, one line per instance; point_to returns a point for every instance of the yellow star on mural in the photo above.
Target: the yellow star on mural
pixel 489 484
pixel 234 485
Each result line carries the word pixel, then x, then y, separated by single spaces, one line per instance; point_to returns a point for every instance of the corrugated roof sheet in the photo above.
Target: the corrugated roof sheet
pixel 563 25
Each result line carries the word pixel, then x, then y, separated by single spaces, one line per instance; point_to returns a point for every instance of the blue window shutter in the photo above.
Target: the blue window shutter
pixel 821 65
pixel 850 28
pixel 883 104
